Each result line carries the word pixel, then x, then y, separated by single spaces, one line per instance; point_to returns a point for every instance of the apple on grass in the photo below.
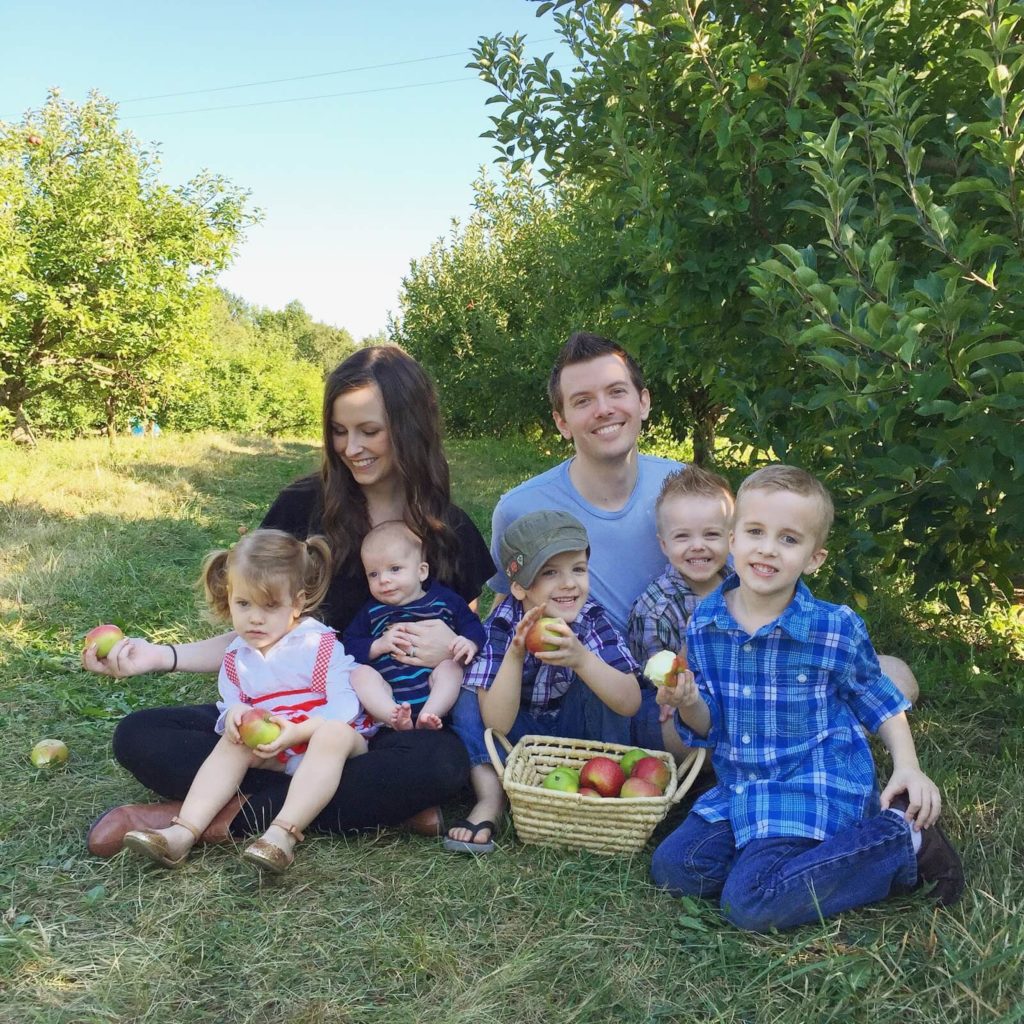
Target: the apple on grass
pixel 49 753
pixel 255 728
pixel 538 636
pixel 604 775
pixel 562 779
pixel 634 787
pixel 652 770
pixel 104 637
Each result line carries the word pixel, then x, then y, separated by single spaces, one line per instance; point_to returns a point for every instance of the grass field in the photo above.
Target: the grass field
pixel 387 927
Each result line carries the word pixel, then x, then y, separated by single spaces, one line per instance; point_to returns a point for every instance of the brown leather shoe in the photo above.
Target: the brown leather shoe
pixel 937 861
pixel 427 822
pixel 107 832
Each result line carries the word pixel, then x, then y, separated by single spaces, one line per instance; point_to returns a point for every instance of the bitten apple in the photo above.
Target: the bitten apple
pixel 538 637
pixel 652 770
pixel 563 779
pixel 661 668
pixel 255 728
pixel 104 637
pixel 604 775
pixel 633 787
pixel 49 753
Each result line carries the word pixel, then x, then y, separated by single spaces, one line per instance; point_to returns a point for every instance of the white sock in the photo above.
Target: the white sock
pixel 915 836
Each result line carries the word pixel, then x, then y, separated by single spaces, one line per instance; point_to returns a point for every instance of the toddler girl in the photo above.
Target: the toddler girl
pixel 285 663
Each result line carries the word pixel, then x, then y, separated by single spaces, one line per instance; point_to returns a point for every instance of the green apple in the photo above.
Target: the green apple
pixel 256 728
pixel 630 758
pixel 104 637
pixel 49 753
pixel 563 779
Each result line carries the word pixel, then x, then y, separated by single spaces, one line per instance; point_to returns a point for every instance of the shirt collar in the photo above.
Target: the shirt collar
pixel 795 619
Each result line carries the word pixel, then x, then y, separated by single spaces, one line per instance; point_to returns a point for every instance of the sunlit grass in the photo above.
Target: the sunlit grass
pixel 387 927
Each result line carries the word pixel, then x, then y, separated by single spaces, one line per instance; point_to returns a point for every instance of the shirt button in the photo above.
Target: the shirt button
pixel 801 678
pixel 745 737
pixel 738 789
pixel 746 691
pixel 747 648
pixel 752 776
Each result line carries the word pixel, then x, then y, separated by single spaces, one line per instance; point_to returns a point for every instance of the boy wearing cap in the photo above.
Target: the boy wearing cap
pixel 584 687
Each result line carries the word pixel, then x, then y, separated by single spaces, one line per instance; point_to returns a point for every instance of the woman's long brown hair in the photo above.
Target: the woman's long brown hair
pixel 414 426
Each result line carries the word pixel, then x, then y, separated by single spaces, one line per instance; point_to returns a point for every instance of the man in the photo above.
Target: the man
pixel 599 402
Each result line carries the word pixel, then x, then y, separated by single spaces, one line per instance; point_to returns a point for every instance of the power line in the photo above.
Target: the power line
pixel 299 99
pixel 302 78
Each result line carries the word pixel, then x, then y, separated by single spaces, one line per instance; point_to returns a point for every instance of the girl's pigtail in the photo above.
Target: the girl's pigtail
pixel 317 577
pixel 214 579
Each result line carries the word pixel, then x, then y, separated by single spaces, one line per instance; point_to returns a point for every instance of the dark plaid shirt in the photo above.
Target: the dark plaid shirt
pixel 545 685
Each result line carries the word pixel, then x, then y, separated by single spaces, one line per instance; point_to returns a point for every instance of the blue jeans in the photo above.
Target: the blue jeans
pixel 786 881
pixel 582 715
pixel 644 726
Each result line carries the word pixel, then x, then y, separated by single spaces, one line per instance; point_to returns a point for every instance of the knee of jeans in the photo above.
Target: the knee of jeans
pixel 747 909
pixel 679 876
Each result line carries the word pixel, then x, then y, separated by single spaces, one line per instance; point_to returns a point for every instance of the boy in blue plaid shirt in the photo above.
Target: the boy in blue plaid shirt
pixel 583 686
pixel 782 684
pixel 692 513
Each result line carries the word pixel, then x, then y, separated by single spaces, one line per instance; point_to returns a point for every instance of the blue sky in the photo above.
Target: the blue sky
pixel 352 187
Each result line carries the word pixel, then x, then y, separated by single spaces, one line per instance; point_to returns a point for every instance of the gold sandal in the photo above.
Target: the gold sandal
pixel 269 857
pixel 153 845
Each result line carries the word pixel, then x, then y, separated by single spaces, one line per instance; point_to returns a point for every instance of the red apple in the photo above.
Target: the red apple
pixel 538 637
pixel 638 787
pixel 34 140
pixel 604 775
pixel 563 779
pixel 588 791
pixel 256 728
pixel 49 753
pixel 104 637
pixel 652 770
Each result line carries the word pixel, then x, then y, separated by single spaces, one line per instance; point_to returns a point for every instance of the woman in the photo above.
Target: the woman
pixel 382 460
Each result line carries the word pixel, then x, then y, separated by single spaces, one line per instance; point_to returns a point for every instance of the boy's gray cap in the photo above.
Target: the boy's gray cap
pixel 532 539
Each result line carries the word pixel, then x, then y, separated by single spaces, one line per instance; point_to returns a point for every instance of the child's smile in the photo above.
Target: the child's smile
pixel 561 587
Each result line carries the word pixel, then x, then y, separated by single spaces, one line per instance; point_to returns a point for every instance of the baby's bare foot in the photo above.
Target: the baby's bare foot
pixel 428 720
pixel 401 718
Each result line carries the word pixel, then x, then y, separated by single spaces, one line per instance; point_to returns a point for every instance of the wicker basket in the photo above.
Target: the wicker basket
pixel 552 818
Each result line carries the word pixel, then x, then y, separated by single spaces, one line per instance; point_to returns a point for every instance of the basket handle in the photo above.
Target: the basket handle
pixel 489 737
pixel 693 761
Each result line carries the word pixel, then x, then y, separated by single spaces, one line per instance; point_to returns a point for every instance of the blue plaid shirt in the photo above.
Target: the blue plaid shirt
pixel 545 685
pixel 658 618
pixel 787 705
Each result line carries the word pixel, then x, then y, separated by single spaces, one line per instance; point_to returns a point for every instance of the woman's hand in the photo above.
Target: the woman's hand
pixel 131 656
pixel 425 643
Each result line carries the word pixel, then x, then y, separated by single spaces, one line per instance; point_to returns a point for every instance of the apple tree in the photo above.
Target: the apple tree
pixel 102 264
pixel 817 209
pixel 488 306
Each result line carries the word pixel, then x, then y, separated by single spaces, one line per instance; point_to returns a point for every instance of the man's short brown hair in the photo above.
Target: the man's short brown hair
pixel 582 348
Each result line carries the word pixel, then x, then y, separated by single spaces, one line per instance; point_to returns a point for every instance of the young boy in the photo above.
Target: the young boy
pixel 795 829
pixel 392 558
pixel 692 515
pixel 584 687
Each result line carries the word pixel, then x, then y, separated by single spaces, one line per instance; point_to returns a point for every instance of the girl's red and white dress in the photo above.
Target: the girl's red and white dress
pixel 306 673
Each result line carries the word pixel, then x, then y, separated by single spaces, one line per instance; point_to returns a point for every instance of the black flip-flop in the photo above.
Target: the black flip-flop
pixel 469 846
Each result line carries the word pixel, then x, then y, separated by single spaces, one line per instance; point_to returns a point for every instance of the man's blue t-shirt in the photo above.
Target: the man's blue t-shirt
pixel 624 551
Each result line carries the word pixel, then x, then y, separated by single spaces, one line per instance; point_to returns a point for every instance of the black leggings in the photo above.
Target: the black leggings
pixel 402 773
